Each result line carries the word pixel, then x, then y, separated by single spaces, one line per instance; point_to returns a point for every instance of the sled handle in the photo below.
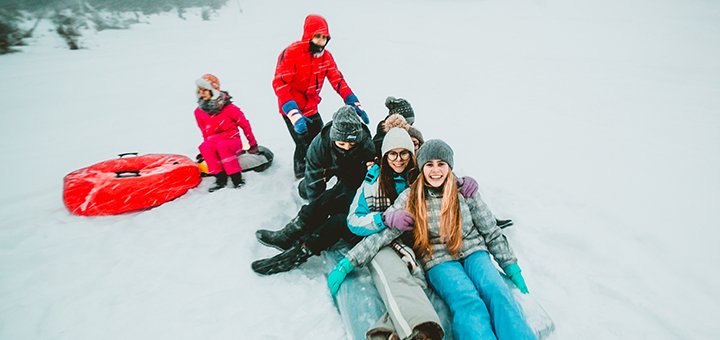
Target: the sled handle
pixel 128 173
pixel 127 153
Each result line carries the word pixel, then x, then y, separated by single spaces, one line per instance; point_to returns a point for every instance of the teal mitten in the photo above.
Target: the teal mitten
pixel 338 274
pixel 514 273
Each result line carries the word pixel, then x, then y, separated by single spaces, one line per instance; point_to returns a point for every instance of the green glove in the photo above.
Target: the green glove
pixel 514 273
pixel 338 274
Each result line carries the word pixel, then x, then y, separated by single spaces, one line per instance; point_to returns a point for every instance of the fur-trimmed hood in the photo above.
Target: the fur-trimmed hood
pixel 395 120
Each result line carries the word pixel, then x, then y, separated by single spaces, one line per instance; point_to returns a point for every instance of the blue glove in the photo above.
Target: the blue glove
pixel 338 274
pixel 514 273
pixel 353 101
pixel 301 124
pixel 289 106
pixel 298 120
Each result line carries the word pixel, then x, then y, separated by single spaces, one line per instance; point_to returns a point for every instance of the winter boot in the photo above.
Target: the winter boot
pixel 299 167
pixel 427 331
pixel 221 179
pixel 302 189
pixel 287 260
pixel 504 223
pixel 237 180
pixel 284 238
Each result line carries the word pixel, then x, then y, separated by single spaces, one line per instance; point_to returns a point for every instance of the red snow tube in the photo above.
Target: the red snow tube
pixel 128 184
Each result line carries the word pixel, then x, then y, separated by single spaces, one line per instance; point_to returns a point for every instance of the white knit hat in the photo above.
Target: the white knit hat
pixel 209 82
pixel 397 138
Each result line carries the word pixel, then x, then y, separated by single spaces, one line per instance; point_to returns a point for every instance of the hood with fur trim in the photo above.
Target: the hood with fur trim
pixel 395 120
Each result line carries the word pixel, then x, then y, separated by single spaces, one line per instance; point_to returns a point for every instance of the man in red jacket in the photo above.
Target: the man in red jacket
pixel 299 76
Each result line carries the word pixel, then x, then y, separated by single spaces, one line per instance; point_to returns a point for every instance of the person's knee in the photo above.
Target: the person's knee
pixel 497 291
pixel 229 145
pixel 206 147
pixel 452 286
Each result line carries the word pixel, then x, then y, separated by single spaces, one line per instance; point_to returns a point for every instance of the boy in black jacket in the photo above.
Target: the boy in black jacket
pixel 342 150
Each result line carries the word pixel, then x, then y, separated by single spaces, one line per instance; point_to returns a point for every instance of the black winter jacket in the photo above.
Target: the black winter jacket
pixel 325 160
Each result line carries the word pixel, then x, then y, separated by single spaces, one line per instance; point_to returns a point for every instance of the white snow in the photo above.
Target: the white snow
pixel 593 124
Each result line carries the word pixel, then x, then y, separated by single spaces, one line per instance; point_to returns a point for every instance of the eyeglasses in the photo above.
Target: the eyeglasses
pixel 321 36
pixel 404 155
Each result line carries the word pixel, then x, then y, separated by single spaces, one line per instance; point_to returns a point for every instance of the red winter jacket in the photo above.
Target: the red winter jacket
pixel 224 124
pixel 299 76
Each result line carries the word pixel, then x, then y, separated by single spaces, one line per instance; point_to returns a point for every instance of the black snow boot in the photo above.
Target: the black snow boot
pixel 284 238
pixel 237 180
pixel 280 263
pixel 504 223
pixel 221 179
pixel 302 189
pixel 299 167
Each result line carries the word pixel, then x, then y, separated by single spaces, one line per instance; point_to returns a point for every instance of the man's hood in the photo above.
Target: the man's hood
pixel 314 24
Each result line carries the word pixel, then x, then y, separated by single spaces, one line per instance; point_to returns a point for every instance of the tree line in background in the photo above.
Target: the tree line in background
pixel 20 18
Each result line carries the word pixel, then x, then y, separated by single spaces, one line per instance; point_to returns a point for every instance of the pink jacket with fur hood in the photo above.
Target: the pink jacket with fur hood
pixel 224 124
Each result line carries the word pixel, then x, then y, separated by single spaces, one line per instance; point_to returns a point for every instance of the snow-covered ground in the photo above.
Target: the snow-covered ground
pixel 593 124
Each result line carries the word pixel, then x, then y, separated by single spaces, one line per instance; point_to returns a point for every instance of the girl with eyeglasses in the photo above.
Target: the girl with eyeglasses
pixel 414 316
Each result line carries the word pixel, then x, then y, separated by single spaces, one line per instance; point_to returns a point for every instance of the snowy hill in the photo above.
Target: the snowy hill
pixel 594 125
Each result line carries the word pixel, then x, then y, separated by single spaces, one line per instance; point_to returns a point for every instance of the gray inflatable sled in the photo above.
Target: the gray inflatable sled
pixel 248 161
pixel 360 305
pixel 256 162
pixel 536 316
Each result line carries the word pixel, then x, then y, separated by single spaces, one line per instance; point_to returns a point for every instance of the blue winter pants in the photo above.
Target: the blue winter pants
pixel 481 303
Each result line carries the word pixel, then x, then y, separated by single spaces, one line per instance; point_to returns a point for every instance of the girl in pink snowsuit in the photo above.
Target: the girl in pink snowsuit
pixel 218 119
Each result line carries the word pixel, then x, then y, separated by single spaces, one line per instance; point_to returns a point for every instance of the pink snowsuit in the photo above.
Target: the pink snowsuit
pixel 222 141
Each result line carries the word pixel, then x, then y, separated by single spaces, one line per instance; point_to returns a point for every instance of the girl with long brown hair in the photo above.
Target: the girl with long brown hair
pixel 454 236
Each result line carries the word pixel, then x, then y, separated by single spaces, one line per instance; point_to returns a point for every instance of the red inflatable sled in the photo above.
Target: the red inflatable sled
pixel 129 184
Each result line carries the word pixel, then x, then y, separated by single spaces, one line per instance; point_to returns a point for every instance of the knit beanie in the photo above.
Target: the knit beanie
pixel 346 126
pixel 400 106
pixel 435 149
pixel 209 82
pixel 415 133
pixel 397 138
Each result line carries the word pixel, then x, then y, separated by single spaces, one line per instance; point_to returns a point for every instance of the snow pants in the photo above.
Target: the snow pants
pixel 325 219
pixel 408 308
pixel 332 230
pixel 221 154
pixel 481 303
pixel 302 141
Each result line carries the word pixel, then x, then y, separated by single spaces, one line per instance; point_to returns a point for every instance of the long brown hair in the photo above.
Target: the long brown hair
pixel 387 183
pixel 450 217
